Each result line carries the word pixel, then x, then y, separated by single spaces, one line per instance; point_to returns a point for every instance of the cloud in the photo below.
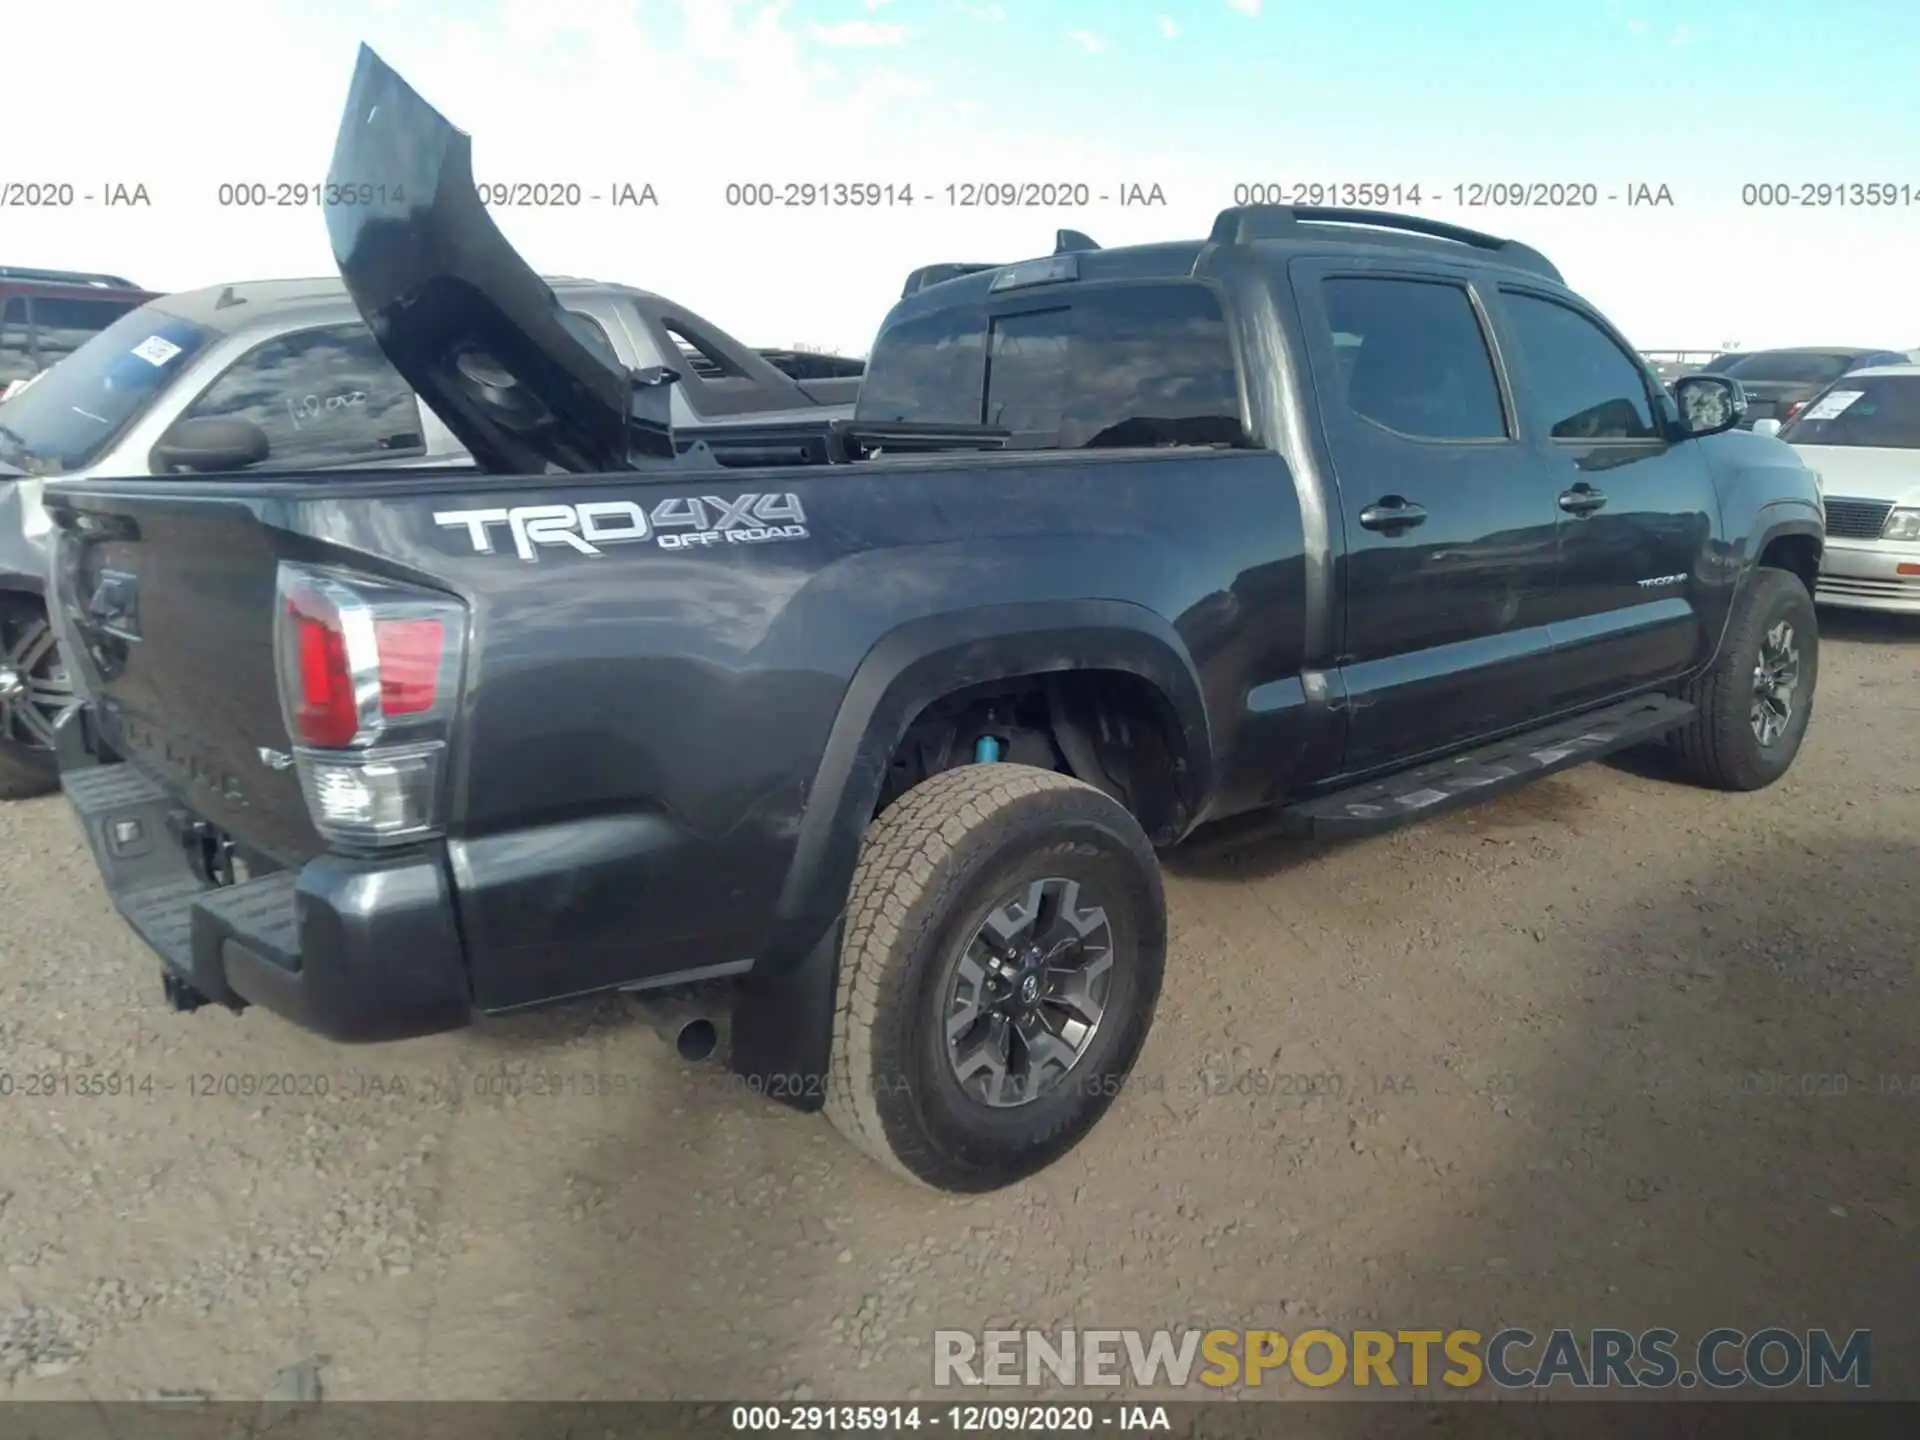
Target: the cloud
pixel 858 34
pixel 545 87
pixel 1169 28
pixel 1246 7
pixel 1680 36
pixel 1087 41
pixel 889 86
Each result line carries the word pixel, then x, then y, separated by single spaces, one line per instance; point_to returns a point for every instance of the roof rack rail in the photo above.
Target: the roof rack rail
pixel 1065 242
pixel 67 277
pixel 938 274
pixel 1244 224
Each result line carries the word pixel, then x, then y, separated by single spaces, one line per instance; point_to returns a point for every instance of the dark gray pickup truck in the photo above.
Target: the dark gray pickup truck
pixel 1341 517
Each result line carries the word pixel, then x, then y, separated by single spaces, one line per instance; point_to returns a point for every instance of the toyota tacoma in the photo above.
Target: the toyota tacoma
pixel 1342 517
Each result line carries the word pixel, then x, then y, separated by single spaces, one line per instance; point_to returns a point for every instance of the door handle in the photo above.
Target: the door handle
pixel 1582 499
pixel 1392 513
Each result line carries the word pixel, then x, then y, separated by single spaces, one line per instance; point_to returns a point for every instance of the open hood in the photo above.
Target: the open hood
pixel 480 337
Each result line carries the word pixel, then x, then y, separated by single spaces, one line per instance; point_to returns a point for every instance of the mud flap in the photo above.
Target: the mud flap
pixel 782 1027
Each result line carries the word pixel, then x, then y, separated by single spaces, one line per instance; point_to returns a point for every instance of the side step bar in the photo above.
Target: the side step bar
pixel 1490 770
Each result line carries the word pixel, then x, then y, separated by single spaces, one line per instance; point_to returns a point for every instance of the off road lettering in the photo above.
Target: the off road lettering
pixel 679 522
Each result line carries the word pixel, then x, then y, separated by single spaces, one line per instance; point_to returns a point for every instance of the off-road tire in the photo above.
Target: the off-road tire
pixel 25 773
pixel 932 866
pixel 1718 747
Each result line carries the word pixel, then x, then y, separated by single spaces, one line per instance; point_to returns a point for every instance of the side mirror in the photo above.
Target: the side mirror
pixel 210 444
pixel 1769 426
pixel 1709 404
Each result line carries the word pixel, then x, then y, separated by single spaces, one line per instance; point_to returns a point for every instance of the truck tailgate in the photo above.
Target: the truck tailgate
pixel 169 603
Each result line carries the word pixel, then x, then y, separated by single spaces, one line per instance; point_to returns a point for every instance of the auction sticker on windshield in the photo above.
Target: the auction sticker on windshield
pixel 1832 404
pixel 155 350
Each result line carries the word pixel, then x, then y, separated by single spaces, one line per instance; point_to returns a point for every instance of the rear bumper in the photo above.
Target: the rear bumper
pixel 357 950
pixel 1865 575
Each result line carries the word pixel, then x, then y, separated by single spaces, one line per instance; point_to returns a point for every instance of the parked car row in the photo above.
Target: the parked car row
pixel 1853 412
pixel 45 315
pixel 1860 434
pixel 1779 383
pixel 1670 365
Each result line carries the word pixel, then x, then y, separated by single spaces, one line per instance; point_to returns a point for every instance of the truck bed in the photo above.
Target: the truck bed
pixel 668 700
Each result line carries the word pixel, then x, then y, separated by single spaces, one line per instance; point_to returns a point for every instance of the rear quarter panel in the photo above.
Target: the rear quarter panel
pixel 642 731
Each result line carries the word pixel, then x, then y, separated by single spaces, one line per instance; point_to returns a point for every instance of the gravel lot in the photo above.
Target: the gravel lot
pixel 1551 1026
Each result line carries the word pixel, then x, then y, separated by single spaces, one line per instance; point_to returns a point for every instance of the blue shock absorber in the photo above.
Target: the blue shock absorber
pixel 986 750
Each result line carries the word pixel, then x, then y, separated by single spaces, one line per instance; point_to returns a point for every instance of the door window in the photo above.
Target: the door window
pixel 1413 359
pixel 1586 386
pixel 323 397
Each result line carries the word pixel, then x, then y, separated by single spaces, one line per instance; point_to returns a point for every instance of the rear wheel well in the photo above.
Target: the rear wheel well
pixel 1110 728
pixel 1798 555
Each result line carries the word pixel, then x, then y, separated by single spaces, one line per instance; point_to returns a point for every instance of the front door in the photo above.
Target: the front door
pixel 1636 502
pixel 1448 520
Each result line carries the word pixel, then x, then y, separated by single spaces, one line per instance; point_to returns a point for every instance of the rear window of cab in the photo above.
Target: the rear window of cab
pixel 1133 364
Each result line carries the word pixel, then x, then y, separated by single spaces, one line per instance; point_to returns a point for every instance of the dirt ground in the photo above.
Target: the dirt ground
pixel 1550 1034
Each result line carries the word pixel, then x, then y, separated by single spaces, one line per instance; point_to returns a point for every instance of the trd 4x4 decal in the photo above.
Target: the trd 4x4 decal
pixel 680 522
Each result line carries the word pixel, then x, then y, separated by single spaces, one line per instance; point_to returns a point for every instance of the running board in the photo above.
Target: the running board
pixel 1490 770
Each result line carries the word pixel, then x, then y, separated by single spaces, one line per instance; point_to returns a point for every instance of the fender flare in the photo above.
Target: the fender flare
pixel 924 659
pixel 1775 519
pixel 782 1030
pixel 1778 518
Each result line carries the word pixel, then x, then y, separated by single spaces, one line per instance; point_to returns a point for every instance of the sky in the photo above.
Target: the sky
pixel 1472 100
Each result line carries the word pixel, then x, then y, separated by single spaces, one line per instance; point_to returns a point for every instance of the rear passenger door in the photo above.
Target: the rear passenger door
pixel 1635 499
pixel 1447 516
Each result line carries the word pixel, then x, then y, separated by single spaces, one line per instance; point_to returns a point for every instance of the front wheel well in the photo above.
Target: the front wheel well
pixel 1110 728
pixel 1798 555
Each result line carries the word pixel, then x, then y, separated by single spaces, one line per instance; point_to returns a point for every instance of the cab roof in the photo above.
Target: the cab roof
pixel 1299 229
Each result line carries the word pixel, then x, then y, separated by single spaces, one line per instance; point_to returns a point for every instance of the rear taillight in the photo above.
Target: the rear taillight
pixel 368 671
pixel 410 653
pixel 1795 408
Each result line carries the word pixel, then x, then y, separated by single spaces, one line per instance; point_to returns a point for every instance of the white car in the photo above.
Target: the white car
pixel 14 387
pixel 1861 435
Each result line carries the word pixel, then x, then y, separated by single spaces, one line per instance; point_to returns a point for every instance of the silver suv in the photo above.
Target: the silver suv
pixel 276 375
